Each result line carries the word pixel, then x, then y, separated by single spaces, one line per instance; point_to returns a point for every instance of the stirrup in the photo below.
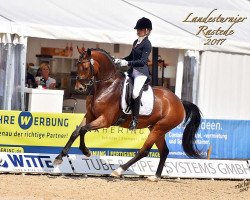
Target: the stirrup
pixel 133 124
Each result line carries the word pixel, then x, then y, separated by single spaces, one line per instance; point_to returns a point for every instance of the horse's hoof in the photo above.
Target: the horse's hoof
pixel 117 172
pixel 57 161
pixel 85 151
pixel 88 154
pixel 153 178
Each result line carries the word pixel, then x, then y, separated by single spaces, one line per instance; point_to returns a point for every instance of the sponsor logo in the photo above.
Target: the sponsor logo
pixel 25 120
pixel 27 161
pixel 3 163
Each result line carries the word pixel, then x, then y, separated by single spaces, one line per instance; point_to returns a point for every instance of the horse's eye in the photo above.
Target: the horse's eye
pixel 80 68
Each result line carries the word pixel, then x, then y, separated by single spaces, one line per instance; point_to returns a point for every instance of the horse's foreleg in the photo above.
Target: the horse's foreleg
pixel 58 160
pixel 85 150
pixel 100 122
pixel 82 145
pixel 79 130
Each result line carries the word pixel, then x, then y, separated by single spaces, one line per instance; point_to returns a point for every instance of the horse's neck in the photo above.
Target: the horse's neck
pixel 106 69
pixel 108 90
pixel 104 73
pixel 109 81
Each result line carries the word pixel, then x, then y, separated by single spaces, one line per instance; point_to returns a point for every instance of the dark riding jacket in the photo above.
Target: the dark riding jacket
pixel 138 58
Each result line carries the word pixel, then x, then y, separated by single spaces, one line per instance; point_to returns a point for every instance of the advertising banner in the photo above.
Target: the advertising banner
pixel 183 168
pixel 25 132
pixel 35 132
pixel 105 165
pixel 227 139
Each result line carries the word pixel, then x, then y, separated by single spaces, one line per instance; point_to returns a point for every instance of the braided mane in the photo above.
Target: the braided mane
pixel 104 52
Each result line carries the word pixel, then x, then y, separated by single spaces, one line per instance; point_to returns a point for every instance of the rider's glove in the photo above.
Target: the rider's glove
pixel 117 61
pixel 123 63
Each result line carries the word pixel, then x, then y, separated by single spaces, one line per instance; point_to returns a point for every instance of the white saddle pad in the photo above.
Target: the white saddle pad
pixel 147 100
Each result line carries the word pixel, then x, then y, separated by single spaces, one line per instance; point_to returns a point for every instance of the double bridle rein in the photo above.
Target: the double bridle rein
pixel 91 80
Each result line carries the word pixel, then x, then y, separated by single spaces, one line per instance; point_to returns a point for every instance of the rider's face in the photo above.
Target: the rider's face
pixel 141 32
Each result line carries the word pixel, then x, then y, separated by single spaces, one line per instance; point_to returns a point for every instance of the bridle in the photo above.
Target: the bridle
pixel 91 80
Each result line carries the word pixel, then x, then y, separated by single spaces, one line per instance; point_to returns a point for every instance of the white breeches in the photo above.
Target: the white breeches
pixel 139 80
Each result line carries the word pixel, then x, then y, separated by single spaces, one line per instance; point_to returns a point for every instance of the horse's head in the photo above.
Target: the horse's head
pixel 86 69
pixel 93 65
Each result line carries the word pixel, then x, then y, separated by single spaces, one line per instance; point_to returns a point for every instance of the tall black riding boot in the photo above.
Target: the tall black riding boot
pixel 135 113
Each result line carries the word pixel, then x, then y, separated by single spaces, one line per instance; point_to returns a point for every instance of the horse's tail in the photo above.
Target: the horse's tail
pixel 192 123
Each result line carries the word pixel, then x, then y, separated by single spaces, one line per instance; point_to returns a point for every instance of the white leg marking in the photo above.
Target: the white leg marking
pixel 153 178
pixel 117 172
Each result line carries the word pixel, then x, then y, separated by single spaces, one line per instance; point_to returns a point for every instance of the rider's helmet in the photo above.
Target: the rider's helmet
pixel 143 23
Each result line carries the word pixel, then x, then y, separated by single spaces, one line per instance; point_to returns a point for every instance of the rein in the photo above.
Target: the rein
pixel 92 80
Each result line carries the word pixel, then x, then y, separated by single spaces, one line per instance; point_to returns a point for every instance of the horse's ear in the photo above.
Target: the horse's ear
pixel 80 50
pixel 89 52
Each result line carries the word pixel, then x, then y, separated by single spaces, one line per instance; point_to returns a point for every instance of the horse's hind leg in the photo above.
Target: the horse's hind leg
pixel 154 135
pixel 142 153
pixel 164 151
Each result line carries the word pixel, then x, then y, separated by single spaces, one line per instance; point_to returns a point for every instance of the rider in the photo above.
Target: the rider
pixel 137 60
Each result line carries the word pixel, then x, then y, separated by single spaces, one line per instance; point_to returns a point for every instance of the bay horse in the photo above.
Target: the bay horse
pixel 97 68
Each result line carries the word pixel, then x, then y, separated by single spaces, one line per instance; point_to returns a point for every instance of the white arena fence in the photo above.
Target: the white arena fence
pixel 104 165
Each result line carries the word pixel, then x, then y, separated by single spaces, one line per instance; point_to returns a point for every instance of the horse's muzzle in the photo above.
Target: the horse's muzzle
pixel 79 88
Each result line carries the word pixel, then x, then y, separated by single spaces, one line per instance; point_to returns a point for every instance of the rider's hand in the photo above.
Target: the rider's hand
pixel 117 61
pixel 123 63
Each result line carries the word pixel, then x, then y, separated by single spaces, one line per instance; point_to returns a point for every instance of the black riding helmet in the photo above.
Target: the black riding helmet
pixel 143 23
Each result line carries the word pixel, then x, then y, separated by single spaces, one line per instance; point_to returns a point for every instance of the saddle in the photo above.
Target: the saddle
pixel 147 97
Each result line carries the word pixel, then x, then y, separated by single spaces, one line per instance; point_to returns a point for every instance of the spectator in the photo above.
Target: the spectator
pixel 44 79
pixel 30 80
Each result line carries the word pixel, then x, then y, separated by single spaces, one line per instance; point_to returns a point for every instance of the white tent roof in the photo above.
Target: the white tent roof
pixel 176 11
pixel 112 21
pixel 109 21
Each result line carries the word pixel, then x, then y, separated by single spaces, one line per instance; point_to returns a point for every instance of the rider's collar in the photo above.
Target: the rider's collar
pixel 140 39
